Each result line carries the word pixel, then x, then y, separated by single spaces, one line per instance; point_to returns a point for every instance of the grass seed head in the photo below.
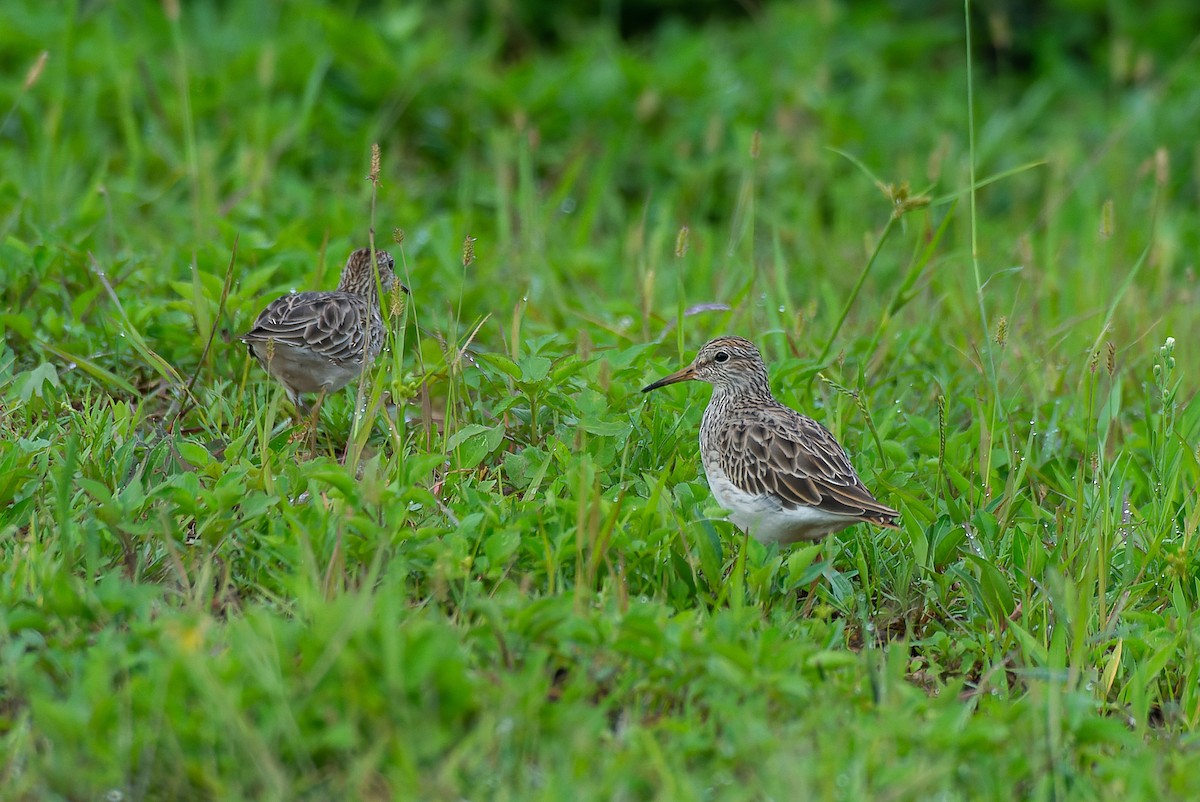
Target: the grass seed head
pixel 468 251
pixel 1106 219
pixel 681 242
pixel 396 300
pixel 902 198
pixel 1162 166
pixel 376 160
pixel 941 413
pixel 35 72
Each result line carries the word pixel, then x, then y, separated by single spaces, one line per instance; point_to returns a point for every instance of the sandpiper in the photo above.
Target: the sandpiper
pixel 782 476
pixel 317 342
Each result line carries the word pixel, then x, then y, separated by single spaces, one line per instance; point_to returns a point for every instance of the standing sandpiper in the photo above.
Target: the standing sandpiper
pixel 317 342
pixel 782 476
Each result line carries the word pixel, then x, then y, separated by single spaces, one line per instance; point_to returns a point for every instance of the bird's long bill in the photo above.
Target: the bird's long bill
pixel 678 376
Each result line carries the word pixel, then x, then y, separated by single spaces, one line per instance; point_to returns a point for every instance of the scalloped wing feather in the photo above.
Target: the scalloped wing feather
pixel 331 324
pixel 781 453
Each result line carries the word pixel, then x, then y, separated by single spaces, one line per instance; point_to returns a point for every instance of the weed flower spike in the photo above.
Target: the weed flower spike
pixel 782 476
pixel 318 342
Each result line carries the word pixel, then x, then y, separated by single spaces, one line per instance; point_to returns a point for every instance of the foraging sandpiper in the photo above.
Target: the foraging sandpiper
pixel 782 476
pixel 317 342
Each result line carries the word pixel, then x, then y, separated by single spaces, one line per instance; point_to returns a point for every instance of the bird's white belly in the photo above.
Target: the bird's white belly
pixel 765 518
pixel 303 370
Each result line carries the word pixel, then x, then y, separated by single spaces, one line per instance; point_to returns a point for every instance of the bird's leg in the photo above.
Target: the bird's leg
pixel 811 599
pixel 299 414
pixel 314 418
pixel 743 554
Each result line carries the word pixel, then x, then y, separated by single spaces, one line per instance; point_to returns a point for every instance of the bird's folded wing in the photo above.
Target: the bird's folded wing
pixel 800 463
pixel 330 325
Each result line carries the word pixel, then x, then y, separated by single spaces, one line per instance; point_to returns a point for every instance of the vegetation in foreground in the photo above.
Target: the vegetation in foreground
pixel 506 578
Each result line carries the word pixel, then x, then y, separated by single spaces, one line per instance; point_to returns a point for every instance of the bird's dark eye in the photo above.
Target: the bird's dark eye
pixel 721 357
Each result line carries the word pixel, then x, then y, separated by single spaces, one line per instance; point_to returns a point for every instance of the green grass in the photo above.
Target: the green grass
pixel 507 579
